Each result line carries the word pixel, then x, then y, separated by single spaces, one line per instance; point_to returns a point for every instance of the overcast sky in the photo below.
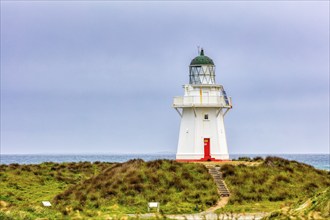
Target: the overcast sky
pixel 100 77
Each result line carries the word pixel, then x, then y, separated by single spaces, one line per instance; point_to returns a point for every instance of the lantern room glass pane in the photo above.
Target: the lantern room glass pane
pixel 202 75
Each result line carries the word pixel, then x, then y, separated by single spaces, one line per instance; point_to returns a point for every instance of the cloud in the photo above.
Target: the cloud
pixel 80 76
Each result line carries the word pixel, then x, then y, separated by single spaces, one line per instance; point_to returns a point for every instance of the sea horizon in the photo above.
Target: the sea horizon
pixel 318 160
pixel 157 153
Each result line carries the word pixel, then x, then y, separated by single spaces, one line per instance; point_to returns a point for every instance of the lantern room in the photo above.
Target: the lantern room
pixel 202 70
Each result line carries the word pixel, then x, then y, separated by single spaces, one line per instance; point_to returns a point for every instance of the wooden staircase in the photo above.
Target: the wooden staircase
pixel 217 176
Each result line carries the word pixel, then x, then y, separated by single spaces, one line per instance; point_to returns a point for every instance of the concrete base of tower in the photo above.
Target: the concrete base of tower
pixel 201 157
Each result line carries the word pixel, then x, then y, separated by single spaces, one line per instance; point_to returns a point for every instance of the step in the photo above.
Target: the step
pixel 217 176
pixel 223 190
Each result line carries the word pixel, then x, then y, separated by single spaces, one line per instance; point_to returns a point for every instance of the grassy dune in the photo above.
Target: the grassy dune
pixel 273 184
pixel 23 187
pixel 98 190
pixel 128 187
pixel 317 207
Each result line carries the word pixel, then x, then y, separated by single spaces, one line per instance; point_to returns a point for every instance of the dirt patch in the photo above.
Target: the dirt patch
pixel 3 204
pixel 221 203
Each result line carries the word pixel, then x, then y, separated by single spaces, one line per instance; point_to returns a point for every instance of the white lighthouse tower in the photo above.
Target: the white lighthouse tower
pixel 202 110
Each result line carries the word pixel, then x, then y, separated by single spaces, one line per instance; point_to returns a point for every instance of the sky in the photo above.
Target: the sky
pixel 100 76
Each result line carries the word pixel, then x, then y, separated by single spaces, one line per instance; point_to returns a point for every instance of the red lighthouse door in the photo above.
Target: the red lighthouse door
pixel 207 154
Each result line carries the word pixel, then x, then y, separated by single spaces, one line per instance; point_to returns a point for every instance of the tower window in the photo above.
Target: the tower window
pixel 206 117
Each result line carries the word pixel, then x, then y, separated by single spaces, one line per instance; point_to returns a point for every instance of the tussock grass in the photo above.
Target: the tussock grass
pixel 128 187
pixel 23 187
pixel 104 190
pixel 317 207
pixel 248 159
pixel 278 182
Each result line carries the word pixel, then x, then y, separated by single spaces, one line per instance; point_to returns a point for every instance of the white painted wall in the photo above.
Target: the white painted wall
pixel 193 129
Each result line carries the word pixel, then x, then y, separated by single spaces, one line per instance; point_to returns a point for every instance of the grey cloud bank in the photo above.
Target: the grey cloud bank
pixel 99 77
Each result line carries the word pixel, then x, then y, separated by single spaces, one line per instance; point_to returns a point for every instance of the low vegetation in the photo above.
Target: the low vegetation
pixel 110 190
pixel 273 184
pixel 128 187
pixel 86 190
pixel 318 207
pixel 248 159
pixel 23 187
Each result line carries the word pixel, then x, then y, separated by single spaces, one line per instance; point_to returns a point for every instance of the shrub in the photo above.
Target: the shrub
pixel 281 177
pixel 227 170
pixel 258 159
pixel 244 159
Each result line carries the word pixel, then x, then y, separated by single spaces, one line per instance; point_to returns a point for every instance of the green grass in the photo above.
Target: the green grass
pixel 128 187
pixel 264 206
pixel 23 187
pixel 105 190
pixel 273 184
pixel 99 190
pixel 317 207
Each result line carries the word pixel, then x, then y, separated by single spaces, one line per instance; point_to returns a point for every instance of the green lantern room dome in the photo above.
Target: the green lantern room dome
pixel 202 60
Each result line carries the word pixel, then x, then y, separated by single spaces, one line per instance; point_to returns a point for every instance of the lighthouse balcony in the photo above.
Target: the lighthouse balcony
pixel 202 101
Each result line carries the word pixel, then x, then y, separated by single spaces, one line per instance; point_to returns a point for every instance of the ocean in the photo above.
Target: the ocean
pixel 320 161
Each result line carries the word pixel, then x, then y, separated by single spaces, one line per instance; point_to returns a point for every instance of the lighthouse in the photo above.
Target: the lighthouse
pixel 202 110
